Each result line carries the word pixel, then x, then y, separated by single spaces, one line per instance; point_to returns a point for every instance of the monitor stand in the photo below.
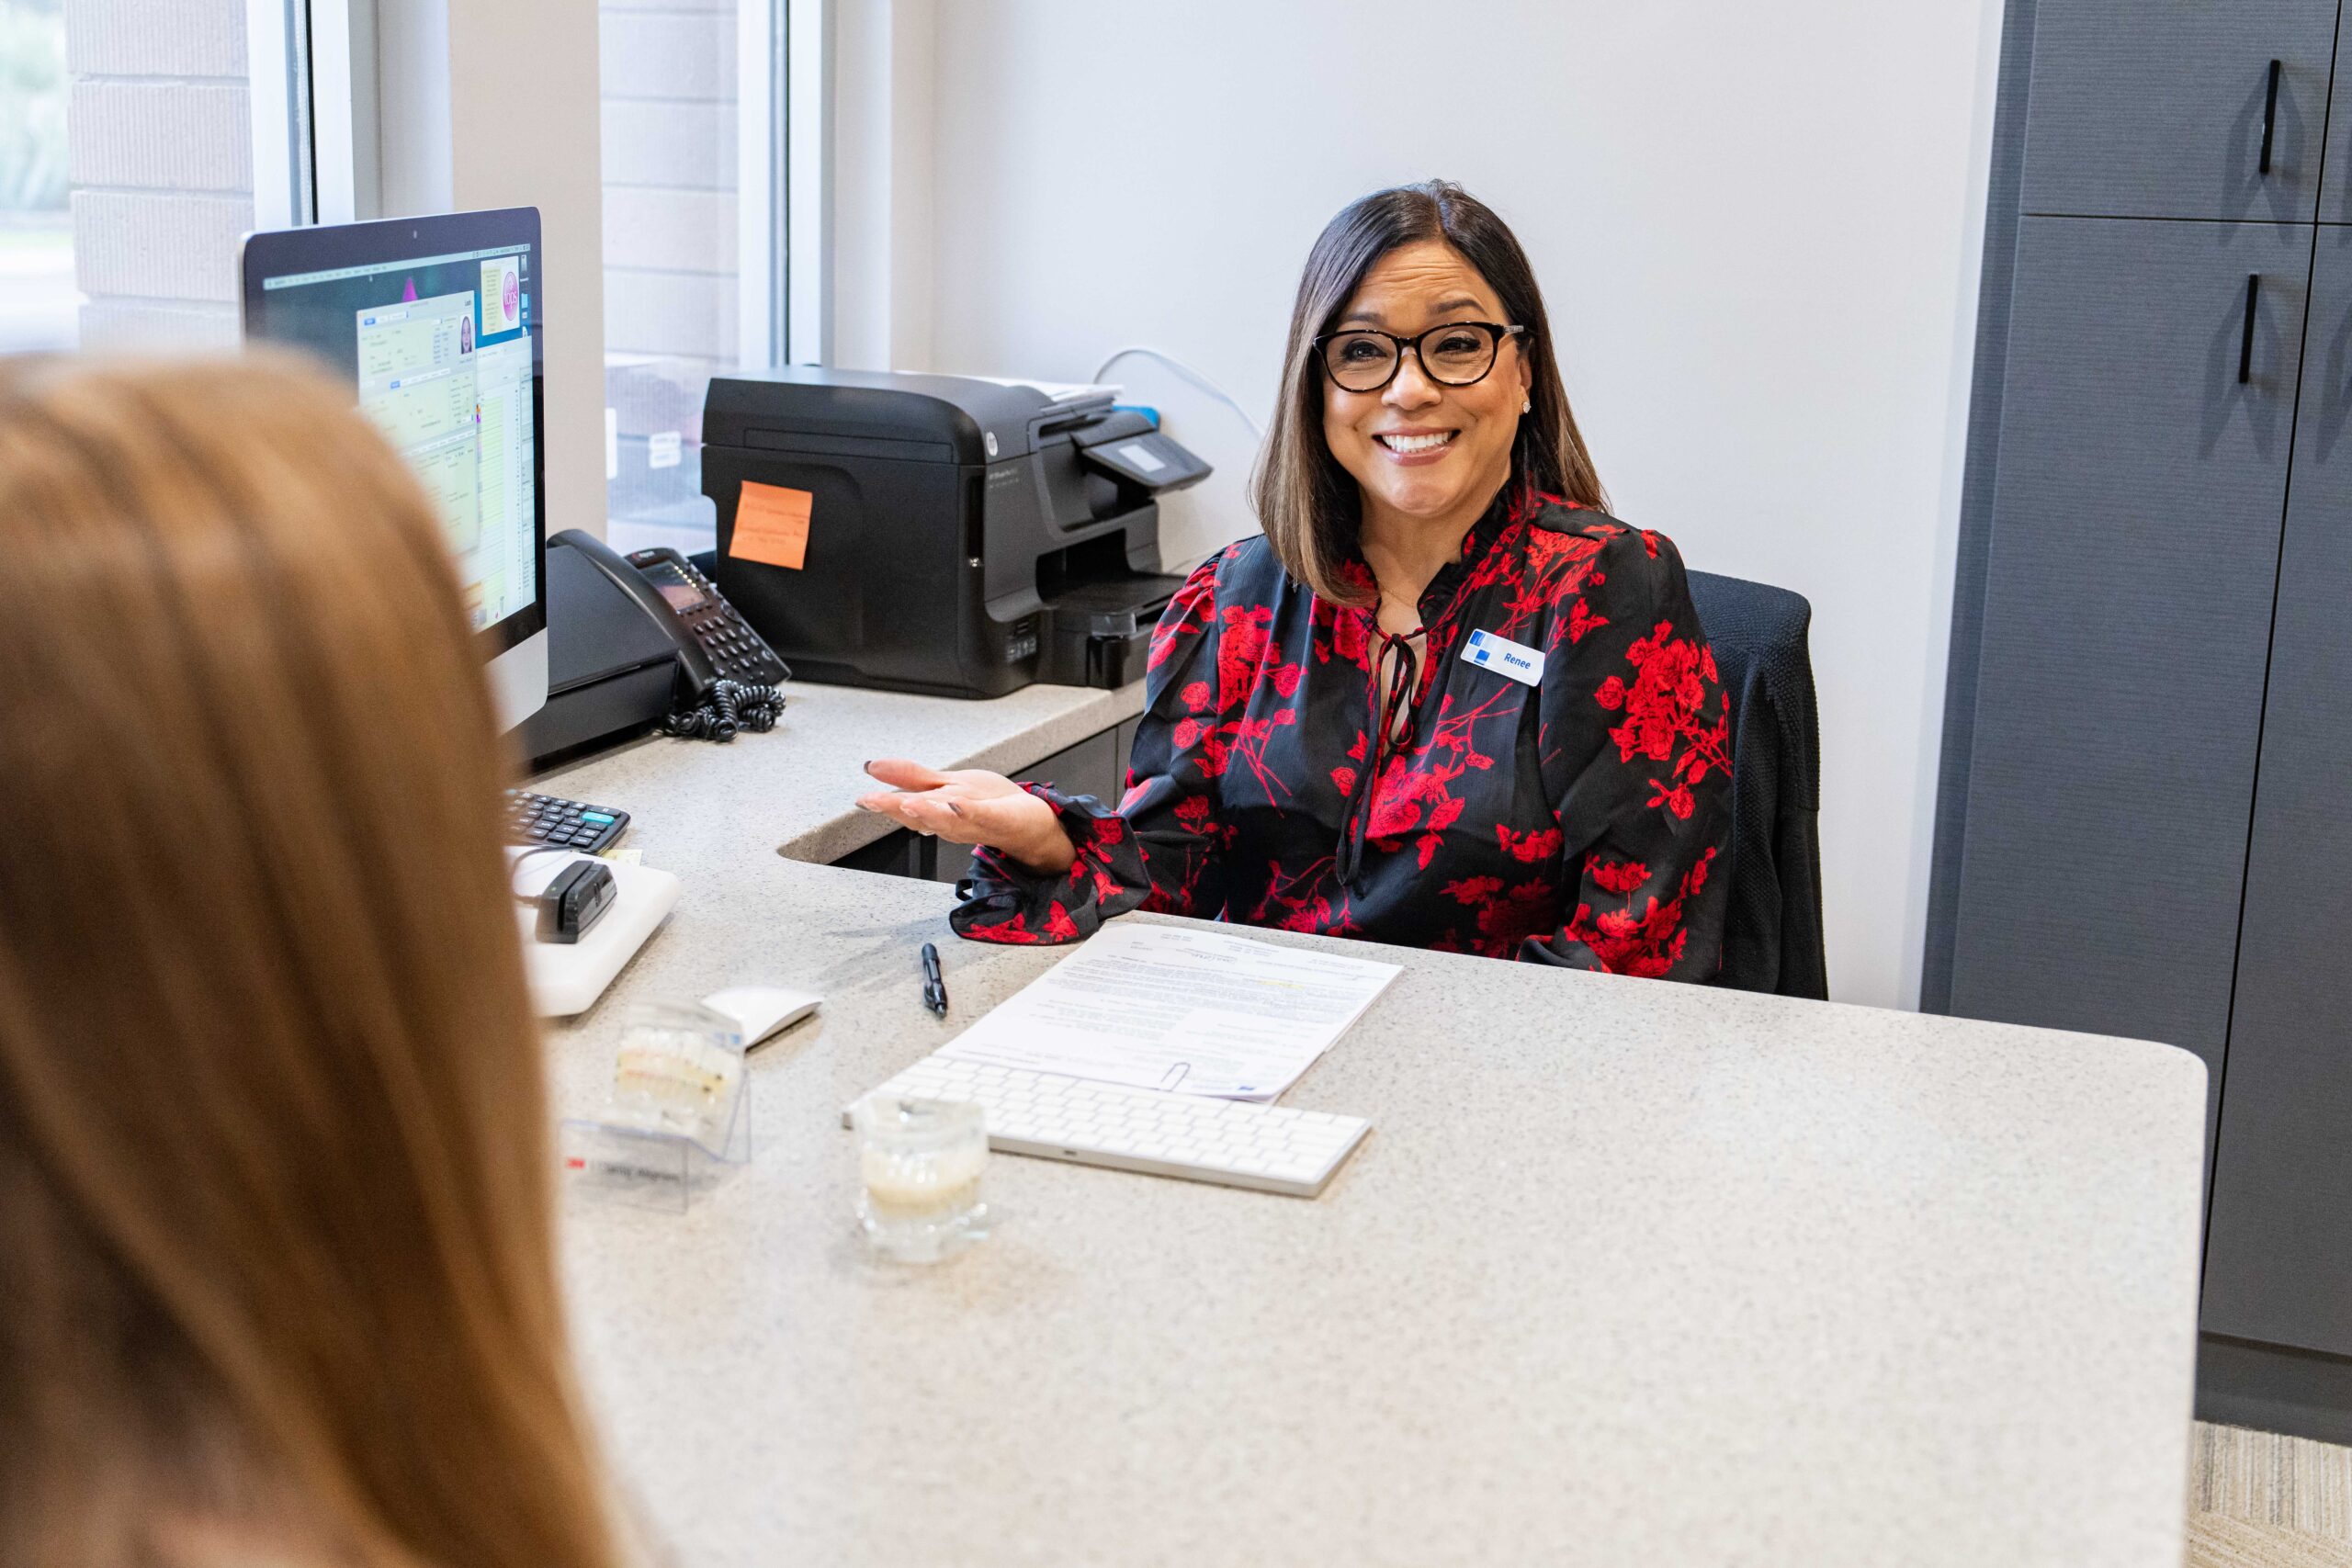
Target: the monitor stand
pixel 518 680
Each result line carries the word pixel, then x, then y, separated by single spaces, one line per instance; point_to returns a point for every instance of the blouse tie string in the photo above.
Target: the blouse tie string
pixel 1399 724
pixel 1400 710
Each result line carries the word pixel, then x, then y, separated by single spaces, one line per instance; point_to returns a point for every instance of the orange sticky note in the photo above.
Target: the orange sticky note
pixel 771 525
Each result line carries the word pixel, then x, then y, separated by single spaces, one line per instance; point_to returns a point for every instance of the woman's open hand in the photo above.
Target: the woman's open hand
pixel 971 806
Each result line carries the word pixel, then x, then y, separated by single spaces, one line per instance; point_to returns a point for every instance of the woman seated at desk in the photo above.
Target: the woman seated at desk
pixel 274 1172
pixel 1445 700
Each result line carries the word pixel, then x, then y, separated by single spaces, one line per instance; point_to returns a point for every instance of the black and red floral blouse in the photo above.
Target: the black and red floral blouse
pixel 1584 820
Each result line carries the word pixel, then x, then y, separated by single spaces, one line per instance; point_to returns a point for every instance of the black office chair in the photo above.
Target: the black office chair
pixel 1773 939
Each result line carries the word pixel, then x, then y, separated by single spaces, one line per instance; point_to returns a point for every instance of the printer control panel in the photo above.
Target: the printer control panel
pixel 1022 642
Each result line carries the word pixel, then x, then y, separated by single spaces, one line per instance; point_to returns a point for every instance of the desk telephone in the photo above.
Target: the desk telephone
pixel 730 649
pixel 644 641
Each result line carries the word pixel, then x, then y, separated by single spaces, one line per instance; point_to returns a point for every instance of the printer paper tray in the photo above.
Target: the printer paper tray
pixel 1098 633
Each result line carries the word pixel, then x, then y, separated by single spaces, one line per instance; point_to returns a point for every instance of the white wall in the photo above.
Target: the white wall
pixel 454 136
pixel 883 138
pixel 1758 230
pixel 447 96
pixel 542 151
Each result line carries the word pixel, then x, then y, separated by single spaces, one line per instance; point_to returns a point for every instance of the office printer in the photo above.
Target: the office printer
pixel 963 536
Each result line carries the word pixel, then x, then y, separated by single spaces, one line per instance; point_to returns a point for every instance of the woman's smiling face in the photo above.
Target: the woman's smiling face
pixel 1417 447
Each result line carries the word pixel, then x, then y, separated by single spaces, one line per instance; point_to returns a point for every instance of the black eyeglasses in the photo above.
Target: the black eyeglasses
pixel 1459 354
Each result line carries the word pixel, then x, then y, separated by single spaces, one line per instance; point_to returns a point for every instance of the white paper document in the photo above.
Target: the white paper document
pixel 1056 391
pixel 1195 1012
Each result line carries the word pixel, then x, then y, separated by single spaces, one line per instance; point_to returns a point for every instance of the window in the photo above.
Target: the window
pixel 693 96
pixel 37 304
pixel 128 138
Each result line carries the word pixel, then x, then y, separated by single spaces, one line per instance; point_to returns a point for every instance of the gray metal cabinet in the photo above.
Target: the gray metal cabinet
pixel 951 863
pixel 2336 180
pixel 2143 824
pixel 2281 1232
pixel 896 853
pixel 2126 618
pixel 2160 110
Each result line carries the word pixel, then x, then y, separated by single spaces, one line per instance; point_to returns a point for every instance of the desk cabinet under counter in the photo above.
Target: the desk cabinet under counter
pixel 1096 766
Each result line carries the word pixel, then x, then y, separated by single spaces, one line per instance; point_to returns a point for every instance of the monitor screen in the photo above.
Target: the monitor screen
pixel 440 349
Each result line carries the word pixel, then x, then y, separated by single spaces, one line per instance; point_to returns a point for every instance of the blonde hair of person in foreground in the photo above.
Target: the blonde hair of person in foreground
pixel 275 1168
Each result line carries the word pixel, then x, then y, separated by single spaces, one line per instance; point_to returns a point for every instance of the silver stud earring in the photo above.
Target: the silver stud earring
pixel 1527 405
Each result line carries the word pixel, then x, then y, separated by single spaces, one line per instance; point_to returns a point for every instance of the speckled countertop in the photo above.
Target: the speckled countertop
pixel 790 789
pixel 1627 1273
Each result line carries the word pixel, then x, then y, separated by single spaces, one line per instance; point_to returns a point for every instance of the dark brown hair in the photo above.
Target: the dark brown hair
pixel 1306 502
pixel 274 1174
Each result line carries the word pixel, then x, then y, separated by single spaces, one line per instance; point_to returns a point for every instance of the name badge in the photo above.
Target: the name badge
pixel 1516 659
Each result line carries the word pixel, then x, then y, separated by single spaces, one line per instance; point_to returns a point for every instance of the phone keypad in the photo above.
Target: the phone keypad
pixel 740 652
pixel 737 651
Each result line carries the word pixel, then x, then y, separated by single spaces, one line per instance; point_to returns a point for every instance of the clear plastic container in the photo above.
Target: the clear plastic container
pixel 922 1161
pixel 679 1114
pixel 678 1069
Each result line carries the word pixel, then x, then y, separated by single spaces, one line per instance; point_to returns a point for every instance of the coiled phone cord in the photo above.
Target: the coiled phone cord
pixel 731 705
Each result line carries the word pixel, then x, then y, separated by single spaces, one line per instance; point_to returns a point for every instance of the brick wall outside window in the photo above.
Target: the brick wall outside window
pixel 159 135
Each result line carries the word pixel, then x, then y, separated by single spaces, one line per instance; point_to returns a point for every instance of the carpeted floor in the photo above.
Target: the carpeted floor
pixel 2257 1500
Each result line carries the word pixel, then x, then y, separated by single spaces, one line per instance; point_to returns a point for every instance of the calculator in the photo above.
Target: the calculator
pixel 561 824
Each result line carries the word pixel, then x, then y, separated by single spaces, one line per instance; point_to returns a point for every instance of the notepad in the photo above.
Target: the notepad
pixel 772 524
pixel 1168 1008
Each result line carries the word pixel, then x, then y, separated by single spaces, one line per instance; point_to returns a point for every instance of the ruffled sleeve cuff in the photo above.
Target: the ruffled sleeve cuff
pixel 1002 901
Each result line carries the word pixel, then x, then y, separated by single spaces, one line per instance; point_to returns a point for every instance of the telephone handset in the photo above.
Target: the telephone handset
pixel 726 673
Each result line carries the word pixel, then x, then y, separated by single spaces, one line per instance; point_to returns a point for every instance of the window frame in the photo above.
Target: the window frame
pixel 781 181
pixel 277 49
pixel 804 273
pixel 316 161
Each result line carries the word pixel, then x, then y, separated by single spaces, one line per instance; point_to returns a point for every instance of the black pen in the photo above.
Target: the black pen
pixel 934 989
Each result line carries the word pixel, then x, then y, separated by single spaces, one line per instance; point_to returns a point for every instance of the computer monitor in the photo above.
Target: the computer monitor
pixel 431 323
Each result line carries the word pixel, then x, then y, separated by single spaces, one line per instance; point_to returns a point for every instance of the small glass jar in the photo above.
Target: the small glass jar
pixel 922 1161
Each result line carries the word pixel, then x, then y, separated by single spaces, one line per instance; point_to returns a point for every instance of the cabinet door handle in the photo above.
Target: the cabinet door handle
pixel 2245 337
pixel 2269 119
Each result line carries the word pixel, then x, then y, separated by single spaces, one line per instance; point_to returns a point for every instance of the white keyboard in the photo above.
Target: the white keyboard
pixel 1232 1142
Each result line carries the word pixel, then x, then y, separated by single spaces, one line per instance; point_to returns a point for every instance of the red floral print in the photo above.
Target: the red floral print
pixel 1616 876
pixel 1575 822
pixel 1540 844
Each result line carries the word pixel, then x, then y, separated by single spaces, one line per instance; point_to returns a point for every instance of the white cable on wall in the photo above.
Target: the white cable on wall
pixel 1187 372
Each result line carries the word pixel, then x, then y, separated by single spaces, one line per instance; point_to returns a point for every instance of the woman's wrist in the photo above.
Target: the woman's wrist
pixel 1052 853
